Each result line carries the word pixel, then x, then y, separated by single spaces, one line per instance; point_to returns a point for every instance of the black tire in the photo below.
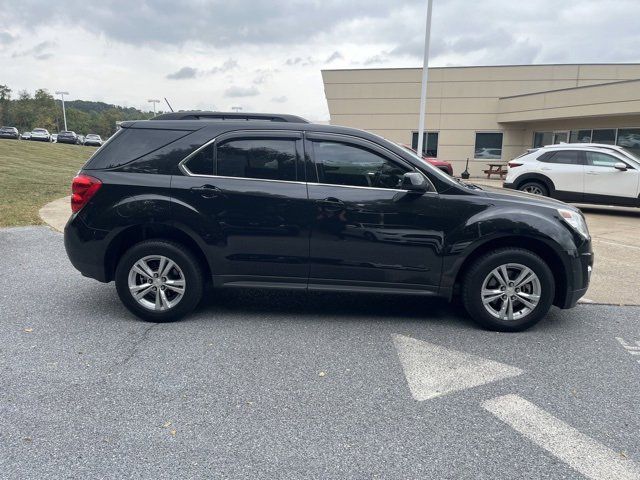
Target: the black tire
pixel 535 187
pixel 482 267
pixel 182 257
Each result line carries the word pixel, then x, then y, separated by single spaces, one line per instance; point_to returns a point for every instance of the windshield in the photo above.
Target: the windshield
pixel 635 156
pixel 39 130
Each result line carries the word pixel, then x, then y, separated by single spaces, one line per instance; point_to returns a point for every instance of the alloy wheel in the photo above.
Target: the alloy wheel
pixel 511 291
pixel 536 190
pixel 156 282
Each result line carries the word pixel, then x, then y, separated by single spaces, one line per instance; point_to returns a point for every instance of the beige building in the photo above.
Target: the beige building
pixel 491 114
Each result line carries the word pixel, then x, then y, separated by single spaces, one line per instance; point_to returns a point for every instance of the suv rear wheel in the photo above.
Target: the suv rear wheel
pixel 537 188
pixel 509 289
pixel 159 281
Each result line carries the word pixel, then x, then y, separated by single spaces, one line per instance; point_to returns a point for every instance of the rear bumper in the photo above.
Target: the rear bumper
pixel 86 249
pixel 512 186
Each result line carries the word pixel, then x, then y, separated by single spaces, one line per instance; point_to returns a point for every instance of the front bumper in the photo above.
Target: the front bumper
pixel 579 276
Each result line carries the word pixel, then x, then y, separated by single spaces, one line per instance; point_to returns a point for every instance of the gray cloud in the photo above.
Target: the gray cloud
pixel 230 64
pixel 6 38
pixel 281 99
pixel 39 51
pixel 237 91
pixel 334 56
pixel 376 59
pixel 191 72
pixel 183 74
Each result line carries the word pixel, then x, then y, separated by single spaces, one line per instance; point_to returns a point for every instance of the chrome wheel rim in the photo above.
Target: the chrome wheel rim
pixel 511 291
pixel 156 282
pixel 533 189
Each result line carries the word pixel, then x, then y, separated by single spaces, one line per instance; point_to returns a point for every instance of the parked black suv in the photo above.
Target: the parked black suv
pixel 167 205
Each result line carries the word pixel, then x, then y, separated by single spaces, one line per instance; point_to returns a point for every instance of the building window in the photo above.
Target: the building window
pixel 540 139
pixel 607 136
pixel 488 145
pixel 629 138
pixel 580 136
pixel 429 143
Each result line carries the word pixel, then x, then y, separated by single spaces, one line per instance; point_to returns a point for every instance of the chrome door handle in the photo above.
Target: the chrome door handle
pixel 207 191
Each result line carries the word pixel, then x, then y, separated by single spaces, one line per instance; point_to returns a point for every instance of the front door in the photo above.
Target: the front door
pixel 367 232
pixel 565 168
pixel 606 184
pixel 246 198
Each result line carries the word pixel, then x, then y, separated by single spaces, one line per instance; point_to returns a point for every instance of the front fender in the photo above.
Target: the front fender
pixel 505 226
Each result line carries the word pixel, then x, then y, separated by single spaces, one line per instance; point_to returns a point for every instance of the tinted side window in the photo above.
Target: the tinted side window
pixel 130 144
pixel 342 164
pixel 601 159
pixel 269 159
pixel 202 162
pixel 567 158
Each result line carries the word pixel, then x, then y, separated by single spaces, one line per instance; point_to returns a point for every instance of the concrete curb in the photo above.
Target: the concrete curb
pixel 56 213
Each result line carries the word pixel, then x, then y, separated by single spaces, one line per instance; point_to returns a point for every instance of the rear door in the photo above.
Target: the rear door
pixel 605 183
pixel 245 196
pixel 565 168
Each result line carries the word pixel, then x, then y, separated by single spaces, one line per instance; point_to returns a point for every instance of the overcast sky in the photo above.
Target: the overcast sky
pixel 267 55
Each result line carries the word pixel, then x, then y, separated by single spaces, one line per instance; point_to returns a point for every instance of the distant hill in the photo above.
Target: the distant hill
pixel 26 112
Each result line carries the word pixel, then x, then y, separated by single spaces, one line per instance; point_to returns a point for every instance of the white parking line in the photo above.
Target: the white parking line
pixel 617 244
pixel 576 449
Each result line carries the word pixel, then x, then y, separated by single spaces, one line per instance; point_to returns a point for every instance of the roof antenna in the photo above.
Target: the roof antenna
pixel 168 104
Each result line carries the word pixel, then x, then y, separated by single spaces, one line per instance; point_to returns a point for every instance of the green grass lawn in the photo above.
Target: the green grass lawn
pixel 33 174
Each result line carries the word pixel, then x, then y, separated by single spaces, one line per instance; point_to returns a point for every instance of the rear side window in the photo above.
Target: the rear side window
pixel 201 163
pixel 263 158
pixel 569 157
pixel 130 144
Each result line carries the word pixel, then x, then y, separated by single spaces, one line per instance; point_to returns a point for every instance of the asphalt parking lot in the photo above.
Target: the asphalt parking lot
pixel 290 385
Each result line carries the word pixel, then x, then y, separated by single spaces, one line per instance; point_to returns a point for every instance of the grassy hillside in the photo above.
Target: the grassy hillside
pixel 33 174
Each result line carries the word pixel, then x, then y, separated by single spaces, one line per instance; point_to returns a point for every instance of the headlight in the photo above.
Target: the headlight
pixel 575 220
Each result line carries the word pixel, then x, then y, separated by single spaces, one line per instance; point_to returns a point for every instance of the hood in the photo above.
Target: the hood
pixel 524 198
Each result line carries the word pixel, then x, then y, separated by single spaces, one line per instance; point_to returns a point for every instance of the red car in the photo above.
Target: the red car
pixel 443 165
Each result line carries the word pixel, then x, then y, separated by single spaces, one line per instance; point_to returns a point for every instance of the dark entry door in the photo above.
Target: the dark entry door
pixel 368 232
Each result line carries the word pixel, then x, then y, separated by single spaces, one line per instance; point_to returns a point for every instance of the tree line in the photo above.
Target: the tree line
pixel 42 110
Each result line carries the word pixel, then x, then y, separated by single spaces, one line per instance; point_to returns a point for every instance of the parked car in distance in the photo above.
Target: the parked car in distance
pixel 40 134
pixel 54 138
pixel 578 173
pixel 25 136
pixel 93 139
pixel 443 165
pixel 9 132
pixel 68 136
pixel 170 205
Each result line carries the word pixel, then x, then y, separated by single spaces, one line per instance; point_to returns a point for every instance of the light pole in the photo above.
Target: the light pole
pixel 64 113
pixel 154 101
pixel 425 73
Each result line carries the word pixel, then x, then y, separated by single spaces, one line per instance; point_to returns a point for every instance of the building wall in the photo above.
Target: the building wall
pixel 464 100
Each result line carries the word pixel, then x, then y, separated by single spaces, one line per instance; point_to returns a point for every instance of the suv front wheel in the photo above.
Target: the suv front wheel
pixel 159 281
pixel 509 289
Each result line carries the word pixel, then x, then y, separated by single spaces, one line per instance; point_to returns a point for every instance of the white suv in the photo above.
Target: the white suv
pixel 579 173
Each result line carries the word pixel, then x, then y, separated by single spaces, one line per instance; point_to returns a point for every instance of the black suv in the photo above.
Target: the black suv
pixel 170 204
pixel 67 136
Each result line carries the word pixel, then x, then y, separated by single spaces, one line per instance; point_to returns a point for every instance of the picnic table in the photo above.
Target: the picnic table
pixel 496 169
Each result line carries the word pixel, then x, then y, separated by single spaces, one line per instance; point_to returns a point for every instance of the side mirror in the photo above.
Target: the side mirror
pixel 414 182
pixel 621 166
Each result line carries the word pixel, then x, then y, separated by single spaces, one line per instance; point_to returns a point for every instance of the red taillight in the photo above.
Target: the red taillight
pixel 514 164
pixel 82 189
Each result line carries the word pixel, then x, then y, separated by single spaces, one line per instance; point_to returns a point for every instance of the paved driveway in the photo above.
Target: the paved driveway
pixel 289 385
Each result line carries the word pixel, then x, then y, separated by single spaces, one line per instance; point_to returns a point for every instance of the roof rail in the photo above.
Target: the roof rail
pixel 234 116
